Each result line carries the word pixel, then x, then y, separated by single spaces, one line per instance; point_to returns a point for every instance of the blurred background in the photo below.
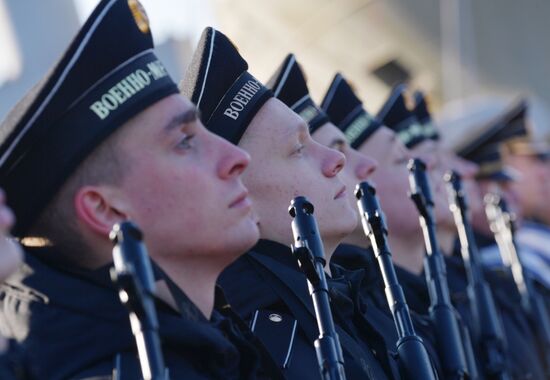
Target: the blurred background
pixel 451 49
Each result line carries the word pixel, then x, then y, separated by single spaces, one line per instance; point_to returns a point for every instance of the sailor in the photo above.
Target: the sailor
pixel 530 157
pixel 106 137
pixel 401 216
pixel 477 135
pixel 266 286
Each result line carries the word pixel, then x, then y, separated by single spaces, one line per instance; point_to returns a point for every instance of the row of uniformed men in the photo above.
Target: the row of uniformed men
pixel 207 172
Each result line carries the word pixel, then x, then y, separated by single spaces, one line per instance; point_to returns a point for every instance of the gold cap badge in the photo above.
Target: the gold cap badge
pixel 139 14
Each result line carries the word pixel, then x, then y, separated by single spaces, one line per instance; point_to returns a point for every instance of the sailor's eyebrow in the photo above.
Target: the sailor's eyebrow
pixel 189 116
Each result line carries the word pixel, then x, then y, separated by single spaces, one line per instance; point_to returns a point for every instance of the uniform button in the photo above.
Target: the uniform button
pixel 275 318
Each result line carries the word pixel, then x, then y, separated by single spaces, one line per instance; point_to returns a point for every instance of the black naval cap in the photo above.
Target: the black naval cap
pixel 218 82
pixel 487 140
pixel 424 117
pixel 346 111
pixel 289 85
pixel 396 115
pixel 108 74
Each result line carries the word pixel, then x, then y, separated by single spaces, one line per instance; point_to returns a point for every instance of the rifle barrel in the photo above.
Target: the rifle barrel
pixel 308 250
pixel 441 310
pixel 501 221
pixel 413 356
pixel 133 275
pixel 488 333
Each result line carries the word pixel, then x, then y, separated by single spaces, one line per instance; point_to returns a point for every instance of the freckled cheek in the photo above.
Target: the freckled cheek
pixel 281 190
pixel 270 191
pixel 296 185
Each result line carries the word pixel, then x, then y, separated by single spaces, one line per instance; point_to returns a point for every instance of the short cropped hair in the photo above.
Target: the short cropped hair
pixel 57 224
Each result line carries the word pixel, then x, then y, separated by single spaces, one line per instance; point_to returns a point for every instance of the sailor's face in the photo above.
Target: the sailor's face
pixel 511 196
pixel 506 190
pixel 533 189
pixel 286 162
pixel 183 185
pixel 391 180
pixel 359 167
pixel 428 151
pixel 467 171
pixel 10 251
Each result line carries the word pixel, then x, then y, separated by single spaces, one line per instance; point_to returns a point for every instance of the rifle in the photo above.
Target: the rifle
pixel 413 357
pixel 133 275
pixel 501 221
pixel 308 250
pixel 489 333
pixel 441 311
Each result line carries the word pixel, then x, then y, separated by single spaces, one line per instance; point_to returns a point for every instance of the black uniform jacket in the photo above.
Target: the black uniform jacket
pixel 72 325
pixel 418 298
pixel 522 357
pixel 267 287
pixel 414 286
pixel 351 257
pixel 13 364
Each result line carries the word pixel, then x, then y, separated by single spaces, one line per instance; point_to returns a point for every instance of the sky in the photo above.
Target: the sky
pixel 10 64
pixel 168 18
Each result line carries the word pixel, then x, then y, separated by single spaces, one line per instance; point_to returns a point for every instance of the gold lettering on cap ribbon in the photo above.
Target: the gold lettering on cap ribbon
pixel 139 14
pixel 357 127
pixel 309 113
pixel 242 98
pixel 127 88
